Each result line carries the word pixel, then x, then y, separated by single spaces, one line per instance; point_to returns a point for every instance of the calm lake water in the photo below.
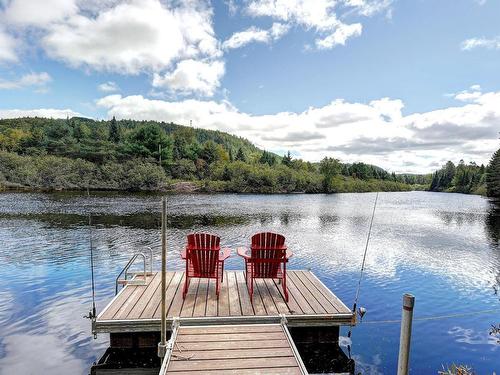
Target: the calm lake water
pixel 443 248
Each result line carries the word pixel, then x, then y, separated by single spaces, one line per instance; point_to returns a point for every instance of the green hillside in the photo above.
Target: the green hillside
pixel 81 153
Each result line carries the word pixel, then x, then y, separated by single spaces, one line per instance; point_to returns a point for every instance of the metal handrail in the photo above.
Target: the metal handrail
pixel 125 269
pixel 151 259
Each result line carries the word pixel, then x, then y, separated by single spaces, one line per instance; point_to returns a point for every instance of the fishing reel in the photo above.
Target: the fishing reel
pixel 92 316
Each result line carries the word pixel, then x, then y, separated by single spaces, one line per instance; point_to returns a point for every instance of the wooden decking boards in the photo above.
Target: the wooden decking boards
pixel 137 307
pixel 234 349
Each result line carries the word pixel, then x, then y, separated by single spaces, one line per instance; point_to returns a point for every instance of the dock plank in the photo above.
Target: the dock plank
pixel 234 298
pixel 139 306
pixel 200 304
pixel 117 302
pixel 232 329
pixel 322 300
pixel 230 353
pixel 223 301
pixel 231 364
pixel 188 305
pixel 334 300
pixel 175 307
pixel 308 296
pixel 297 296
pixel 211 308
pixel 236 349
pixel 266 297
pixel 212 337
pixel 246 305
pixel 249 344
pixel 154 302
pixel 292 304
pixel 275 294
pixel 258 302
pixel 258 371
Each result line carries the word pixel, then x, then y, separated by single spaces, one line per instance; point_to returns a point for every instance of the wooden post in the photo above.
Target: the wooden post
pixel 405 338
pixel 163 343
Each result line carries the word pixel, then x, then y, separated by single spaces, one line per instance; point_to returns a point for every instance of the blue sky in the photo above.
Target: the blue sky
pixel 405 85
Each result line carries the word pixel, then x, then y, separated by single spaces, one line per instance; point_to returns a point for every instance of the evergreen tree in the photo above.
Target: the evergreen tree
pixel 267 158
pixel 114 131
pixel 287 159
pixel 209 152
pixel 493 176
pixel 240 156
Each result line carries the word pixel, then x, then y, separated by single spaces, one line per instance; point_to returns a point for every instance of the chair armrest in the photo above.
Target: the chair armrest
pixel 289 254
pixel 242 252
pixel 224 254
pixel 183 254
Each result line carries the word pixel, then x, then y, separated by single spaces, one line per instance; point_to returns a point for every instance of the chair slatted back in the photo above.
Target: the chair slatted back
pixel 202 253
pixel 268 252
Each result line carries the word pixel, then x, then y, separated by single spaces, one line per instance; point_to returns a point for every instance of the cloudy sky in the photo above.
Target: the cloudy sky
pixel 405 85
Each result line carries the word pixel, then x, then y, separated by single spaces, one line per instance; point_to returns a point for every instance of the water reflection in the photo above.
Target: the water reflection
pixel 493 223
pixel 442 247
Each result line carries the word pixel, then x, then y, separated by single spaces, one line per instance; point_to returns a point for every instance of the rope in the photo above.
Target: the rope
pixel 437 317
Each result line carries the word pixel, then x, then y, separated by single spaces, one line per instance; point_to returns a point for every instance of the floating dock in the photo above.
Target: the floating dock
pixel 234 349
pixel 136 308
pixel 225 335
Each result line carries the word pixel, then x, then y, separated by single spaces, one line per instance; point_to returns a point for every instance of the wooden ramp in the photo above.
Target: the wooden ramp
pixel 136 308
pixel 232 349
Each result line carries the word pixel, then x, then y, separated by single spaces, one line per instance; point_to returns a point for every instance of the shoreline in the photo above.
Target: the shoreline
pixel 191 187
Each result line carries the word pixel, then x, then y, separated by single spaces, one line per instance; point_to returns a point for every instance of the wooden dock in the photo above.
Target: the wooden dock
pixel 136 308
pixel 233 349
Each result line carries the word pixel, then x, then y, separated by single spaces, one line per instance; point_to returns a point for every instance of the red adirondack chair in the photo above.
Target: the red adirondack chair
pixel 204 259
pixel 266 259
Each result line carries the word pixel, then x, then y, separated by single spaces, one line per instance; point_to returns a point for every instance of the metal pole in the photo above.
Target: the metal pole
pixel 404 340
pixel 162 346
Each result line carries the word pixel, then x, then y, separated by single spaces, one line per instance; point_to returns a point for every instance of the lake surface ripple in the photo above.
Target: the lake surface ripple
pixel 443 248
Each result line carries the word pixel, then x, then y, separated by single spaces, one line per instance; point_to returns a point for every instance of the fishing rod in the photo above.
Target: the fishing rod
pixel 362 310
pixel 92 313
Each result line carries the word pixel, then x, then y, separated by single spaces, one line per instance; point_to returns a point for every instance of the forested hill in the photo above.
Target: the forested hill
pixel 99 141
pixel 80 153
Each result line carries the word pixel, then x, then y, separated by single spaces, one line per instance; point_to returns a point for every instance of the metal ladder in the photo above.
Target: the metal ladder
pixel 134 280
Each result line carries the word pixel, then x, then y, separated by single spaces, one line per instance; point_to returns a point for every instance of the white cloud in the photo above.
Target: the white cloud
pixel 469 44
pixel 133 36
pixel 27 80
pixel 231 7
pixel 319 15
pixel 42 112
pixel 340 36
pixel 127 37
pixel 109 86
pixel 376 132
pixel 369 8
pixel 38 13
pixel 7 47
pixel 192 76
pixel 242 38
pixel 472 94
pixel 254 34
